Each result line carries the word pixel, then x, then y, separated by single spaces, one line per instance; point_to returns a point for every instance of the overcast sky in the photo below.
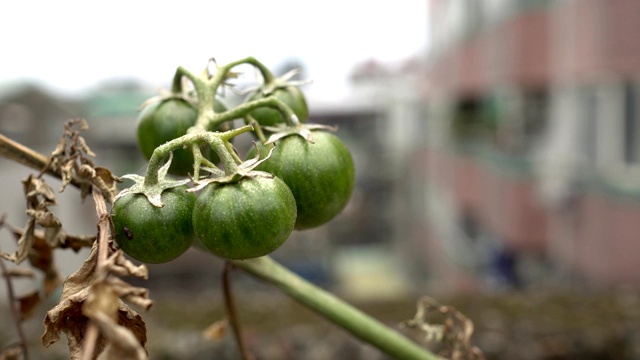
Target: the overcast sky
pixel 72 45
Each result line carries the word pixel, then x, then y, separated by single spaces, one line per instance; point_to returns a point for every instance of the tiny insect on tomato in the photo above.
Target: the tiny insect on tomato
pixel 321 175
pixel 151 234
pixel 291 95
pixel 245 219
pixel 167 120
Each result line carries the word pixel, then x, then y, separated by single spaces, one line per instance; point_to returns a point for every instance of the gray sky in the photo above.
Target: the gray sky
pixel 72 45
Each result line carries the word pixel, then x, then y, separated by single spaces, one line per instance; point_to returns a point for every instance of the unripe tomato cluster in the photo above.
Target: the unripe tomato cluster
pixel 301 185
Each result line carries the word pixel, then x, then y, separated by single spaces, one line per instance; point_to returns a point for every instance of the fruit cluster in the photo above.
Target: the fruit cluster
pixel 300 177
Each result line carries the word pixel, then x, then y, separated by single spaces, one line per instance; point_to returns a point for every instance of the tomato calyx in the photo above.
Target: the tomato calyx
pixel 152 192
pixel 282 82
pixel 245 169
pixel 302 130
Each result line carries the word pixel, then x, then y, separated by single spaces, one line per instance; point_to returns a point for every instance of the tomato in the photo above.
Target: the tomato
pixel 245 219
pixel 166 120
pixel 291 95
pixel 321 175
pixel 151 234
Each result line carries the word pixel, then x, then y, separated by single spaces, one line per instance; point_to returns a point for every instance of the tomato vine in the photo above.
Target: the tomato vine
pixel 240 210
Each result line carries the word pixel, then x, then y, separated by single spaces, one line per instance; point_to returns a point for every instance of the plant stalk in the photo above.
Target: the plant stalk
pixel 15 312
pixel 28 157
pixel 232 314
pixel 339 312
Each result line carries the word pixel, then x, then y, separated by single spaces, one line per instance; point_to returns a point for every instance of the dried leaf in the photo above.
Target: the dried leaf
pixel 34 187
pixel 70 155
pixel 135 295
pixel 215 331
pixel 118 264
pixel 28 304
pixel 83 144
pixel 41 258
pixel 102 306
pixel 68 316
pixel 25 242
pixel 106 182
pixel 12 352
pixel 454 332
pixel 39 196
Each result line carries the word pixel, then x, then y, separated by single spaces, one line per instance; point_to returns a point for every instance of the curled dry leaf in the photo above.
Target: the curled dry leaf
pixel 102 306
pixel 70 153
pixel 38 196
pixel 118 326
pixel 215 331
pixel 40 256
pixel 454 332
pixel 106 182
pixel 71 160
pixel 12 352
pixel 28 303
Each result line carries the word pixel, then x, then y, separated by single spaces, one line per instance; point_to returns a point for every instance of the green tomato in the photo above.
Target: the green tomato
pixel 292 96
pixel 246 219
pixel 151 234
pixel 167 120
pixel 321 175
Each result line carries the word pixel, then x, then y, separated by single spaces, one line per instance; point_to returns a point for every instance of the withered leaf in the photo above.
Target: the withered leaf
pixel 102 306
pixel 12 352
pixel 39 196
pixel 28 304
pixel 41 258
pixel 34 187
pixel 68 316
pixel 25 242
pixel 215 331
pixel 106 182
pixel 41 255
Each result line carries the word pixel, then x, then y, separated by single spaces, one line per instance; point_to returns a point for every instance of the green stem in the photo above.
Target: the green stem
pixel 195 138
pixel 176 86
pixel 228 161
pixel 353 320
pixel 249 120
pixel 267 75
pixel 242 110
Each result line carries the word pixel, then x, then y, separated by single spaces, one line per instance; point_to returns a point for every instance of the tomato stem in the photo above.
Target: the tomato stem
pixel 176 86
pixel 267 75
pixel 244 109
pixel 249 120
pixel 193 139
pixel 334 309
pixel 232 314
pixel 206 86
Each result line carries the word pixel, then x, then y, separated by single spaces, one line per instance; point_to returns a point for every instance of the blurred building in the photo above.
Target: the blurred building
pixel 532 158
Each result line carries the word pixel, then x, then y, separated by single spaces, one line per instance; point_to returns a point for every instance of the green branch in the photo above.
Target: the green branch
pixel 339 312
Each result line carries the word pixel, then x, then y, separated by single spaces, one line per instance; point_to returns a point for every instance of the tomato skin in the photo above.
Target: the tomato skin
pixel 292 96
pixel 246 219
pixel 166 120
pixel 321 175
pixel 151 234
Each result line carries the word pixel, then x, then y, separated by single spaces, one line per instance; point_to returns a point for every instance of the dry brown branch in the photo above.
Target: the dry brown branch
pixel 17 318
pixel 232 315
